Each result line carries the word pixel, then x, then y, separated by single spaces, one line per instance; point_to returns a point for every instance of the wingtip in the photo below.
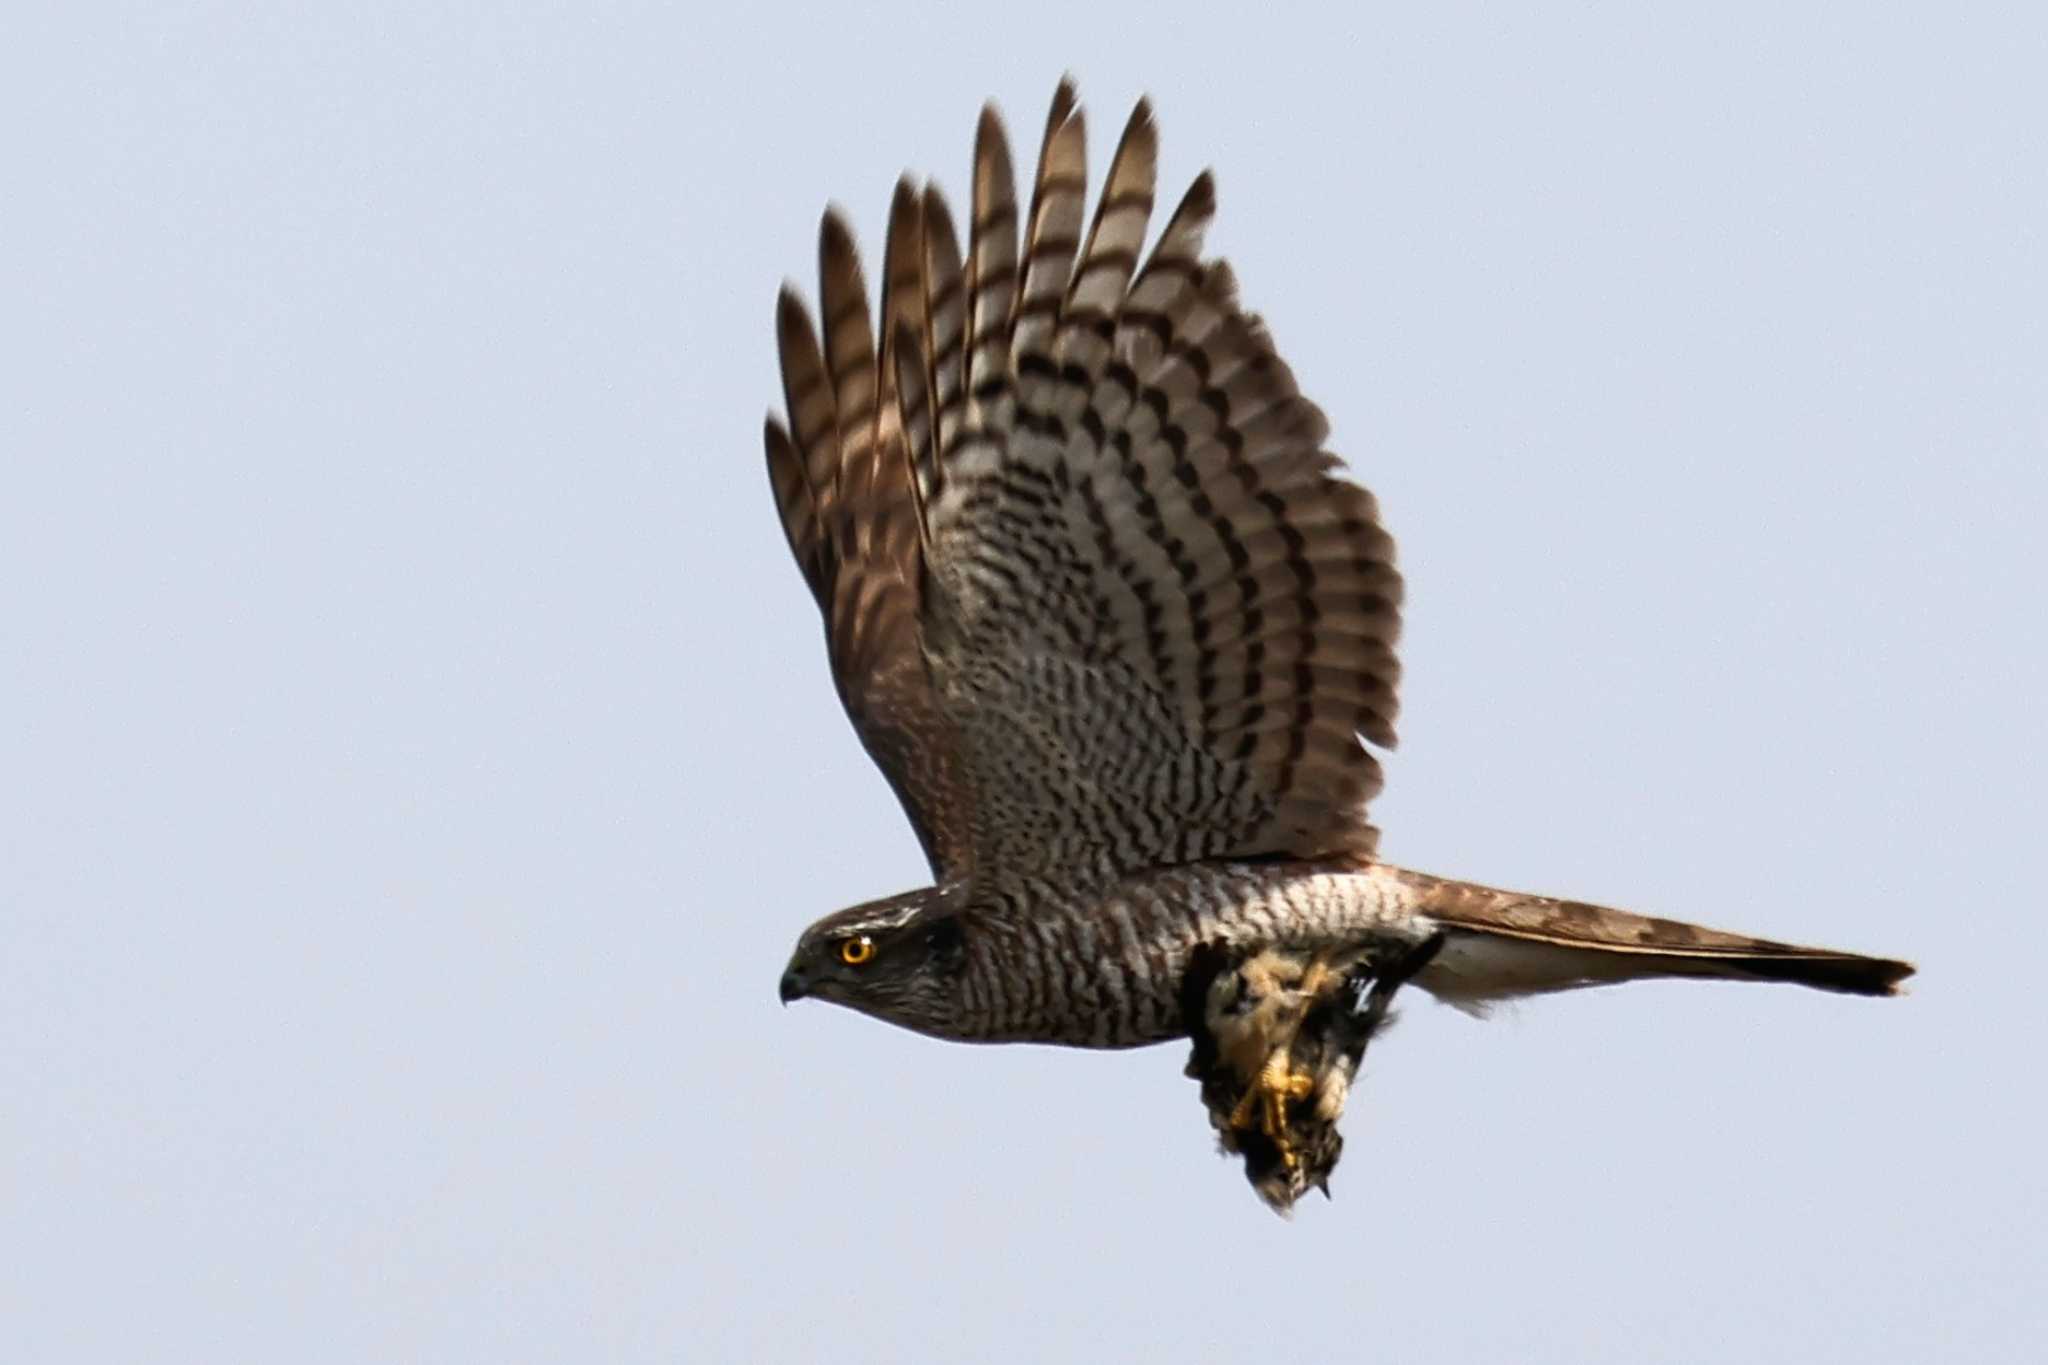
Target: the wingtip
pixel 936 211
pixel 835 235
pixel 1142 126
pixel 1065 112
pixel 792 316
pixel 989 127
pixel 1137 148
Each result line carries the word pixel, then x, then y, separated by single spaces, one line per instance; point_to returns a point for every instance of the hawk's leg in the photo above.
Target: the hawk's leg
pixel 1276 1085
pixel 1279 1083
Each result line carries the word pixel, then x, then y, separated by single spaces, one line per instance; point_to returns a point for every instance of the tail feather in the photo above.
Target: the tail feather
pixel 1847 973
pixel 1501 944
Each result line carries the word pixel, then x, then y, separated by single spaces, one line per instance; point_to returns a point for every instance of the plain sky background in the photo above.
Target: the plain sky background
pixel 417 756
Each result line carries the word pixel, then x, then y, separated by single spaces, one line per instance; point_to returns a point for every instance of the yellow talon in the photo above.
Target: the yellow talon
pixel 1269 1095
pixel 1241 1116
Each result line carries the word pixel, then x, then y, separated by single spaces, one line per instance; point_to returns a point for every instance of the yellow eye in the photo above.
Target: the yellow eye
pixel 854 951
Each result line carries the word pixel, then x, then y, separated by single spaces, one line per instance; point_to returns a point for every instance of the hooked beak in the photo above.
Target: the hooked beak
pixel 794 987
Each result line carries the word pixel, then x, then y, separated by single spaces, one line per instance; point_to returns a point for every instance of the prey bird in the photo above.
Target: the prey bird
pixel 1118 630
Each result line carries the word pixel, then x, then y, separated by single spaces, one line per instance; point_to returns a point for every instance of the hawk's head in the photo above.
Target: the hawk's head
pixel 897 959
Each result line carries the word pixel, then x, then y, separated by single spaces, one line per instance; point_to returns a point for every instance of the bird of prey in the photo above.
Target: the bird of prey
pixel 1117 628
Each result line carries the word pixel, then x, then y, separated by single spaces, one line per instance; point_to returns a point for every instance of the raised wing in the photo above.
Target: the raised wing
pixel 1088 521
pixel 842 483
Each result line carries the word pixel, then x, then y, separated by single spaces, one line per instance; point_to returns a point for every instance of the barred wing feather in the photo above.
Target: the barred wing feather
pixel 1097 597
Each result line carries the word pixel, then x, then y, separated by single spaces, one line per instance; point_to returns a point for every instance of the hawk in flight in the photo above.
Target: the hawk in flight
pixel 1117 629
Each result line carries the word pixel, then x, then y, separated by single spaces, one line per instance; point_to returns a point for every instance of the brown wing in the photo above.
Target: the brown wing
pixel 842 483
pixel 1153 621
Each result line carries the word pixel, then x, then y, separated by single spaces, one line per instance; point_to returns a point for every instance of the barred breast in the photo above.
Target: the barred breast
pixel 1052 965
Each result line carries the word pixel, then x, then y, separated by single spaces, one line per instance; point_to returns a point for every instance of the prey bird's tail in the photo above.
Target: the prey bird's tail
pixel 1501 944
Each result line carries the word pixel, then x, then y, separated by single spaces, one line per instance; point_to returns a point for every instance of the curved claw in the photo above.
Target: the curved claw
pixel 1269 1095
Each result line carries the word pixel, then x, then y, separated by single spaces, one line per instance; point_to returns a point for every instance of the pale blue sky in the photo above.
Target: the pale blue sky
pixel 419 754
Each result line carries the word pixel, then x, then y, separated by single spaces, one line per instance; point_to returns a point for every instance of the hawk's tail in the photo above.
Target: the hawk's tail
pixel 1500 944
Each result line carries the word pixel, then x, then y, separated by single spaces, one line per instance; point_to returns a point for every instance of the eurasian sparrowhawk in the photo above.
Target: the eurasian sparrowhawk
pixel 1114 624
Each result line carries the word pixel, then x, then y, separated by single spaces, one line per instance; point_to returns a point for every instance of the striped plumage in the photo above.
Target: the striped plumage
pixel 1104 611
